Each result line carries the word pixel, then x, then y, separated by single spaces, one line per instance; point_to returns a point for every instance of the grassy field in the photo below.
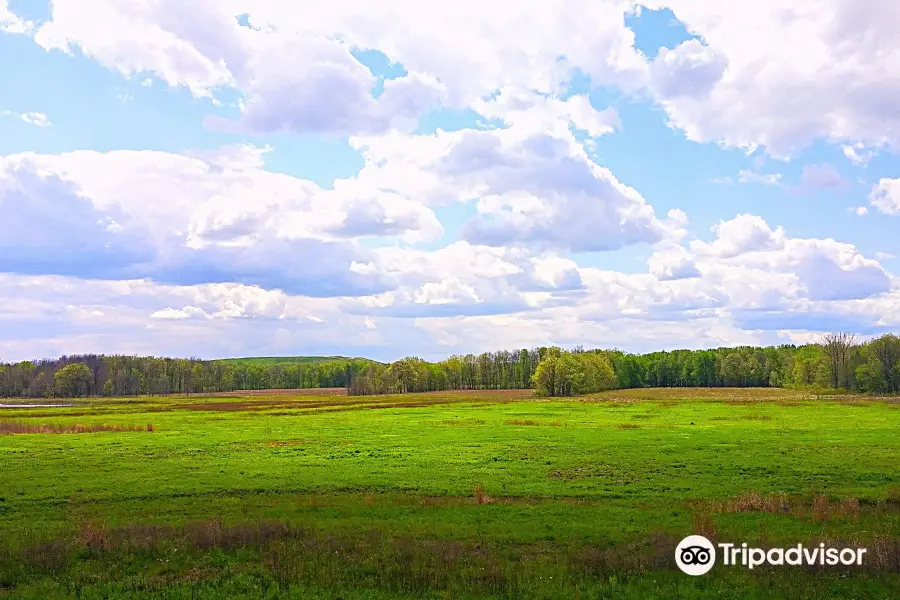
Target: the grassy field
pixel 444 495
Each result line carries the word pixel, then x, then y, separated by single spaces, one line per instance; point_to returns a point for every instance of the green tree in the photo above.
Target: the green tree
pixel 886 351
pixel 598 374
pixel 73 380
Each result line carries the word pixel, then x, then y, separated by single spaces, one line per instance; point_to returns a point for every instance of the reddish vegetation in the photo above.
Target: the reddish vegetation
pixel 10 428
pixel 653 551
pixel 480 496
pixel 819 509
pixel 532 423
pixel 357 402
pixel 297 392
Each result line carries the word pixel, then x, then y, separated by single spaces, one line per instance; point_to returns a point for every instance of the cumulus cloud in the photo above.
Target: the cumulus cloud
pixel 690 69
pixel 814 269
pixel 534 112
pixel 776 76
pixel 10 22
pixel 185 313
pixel 885 196
pixel 760 75
pixel 744 233
pixel 50 228
pixel 210 217
pixel 672 262
pixel 210 251
pixel 467 279
pixel 295 71
pixel 532 187
pixel 53 315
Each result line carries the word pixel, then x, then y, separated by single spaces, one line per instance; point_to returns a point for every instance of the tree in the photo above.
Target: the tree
pixel 837 348
pixel 568 373
pixel 732 371
pixel 870 378
pixel 886 350
pixel 598 373
pixel 547 374
pixel 73 380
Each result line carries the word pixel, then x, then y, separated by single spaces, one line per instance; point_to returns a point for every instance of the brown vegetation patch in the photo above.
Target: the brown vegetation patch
pixel 532 423
pixel 285 443
pixel 703 524
pixel 885 553
pixel 57 414
pixel 345 403
pixel 462 422
pixel 819 509
pixel 13 428
pixel 677 395
pixel 652 552
pixel 417 564
pixel 608 474
pixel 278 392
pixel 743 418
pixel 756 502
pixel 628 426
pixel 893 494
pixel 234 406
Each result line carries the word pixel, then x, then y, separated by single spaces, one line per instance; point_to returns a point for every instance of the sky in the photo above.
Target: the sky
pixel 222 178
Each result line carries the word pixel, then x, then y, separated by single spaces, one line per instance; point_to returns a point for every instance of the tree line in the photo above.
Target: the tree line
pixel 837 362
pixel 99 375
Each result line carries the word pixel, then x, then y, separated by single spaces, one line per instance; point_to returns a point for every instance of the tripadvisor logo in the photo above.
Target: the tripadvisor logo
pixel 696 555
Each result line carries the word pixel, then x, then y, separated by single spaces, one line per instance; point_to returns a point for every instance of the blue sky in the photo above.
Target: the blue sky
pixel 246 178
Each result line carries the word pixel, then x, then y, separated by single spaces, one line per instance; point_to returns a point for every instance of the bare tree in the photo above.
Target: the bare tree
pixel 837 347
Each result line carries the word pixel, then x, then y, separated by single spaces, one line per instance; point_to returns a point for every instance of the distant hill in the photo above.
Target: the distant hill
pixel 288 360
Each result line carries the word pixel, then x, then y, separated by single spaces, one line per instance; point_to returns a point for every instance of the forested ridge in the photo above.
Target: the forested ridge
pixel 837 362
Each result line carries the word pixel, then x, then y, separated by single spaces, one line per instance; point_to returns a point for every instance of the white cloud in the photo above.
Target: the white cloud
pixel 672 262
pixel 32 118
pixel 780 76
pixel 541 114
pixel 745 176
pixel 205 217
pixel 213 252
pixel 11 23
pixel 466 279
pixel 760 75
pixel 52 315
pixel 816 269
pixel 822 176
pixel 744 233
pixel 294 68
pixel 885 196
pixel 532 187
pixel 690 69
pixel 185 313
pixel 858 154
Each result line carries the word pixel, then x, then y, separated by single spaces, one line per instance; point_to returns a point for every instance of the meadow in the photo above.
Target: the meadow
pixel 487 494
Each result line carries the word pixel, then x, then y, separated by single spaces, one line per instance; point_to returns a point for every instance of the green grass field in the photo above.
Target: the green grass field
pixel 445 495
